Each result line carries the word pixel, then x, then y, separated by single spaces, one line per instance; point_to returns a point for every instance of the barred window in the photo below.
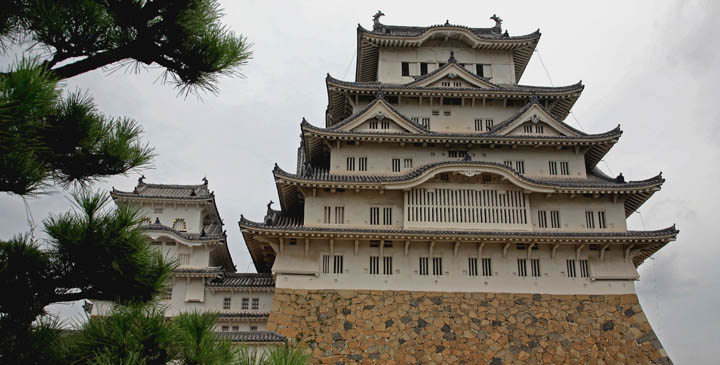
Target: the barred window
pixel 552 167
pixel 527 128
pixel 374 216
pixel 167 293
pixel 539 128
pixel 542 219
pixel 520 167
pixel 184 258
pixel 487 267
pixel 253 328
pixel 374 124
pixel 589 219
pixel 236 328
pixel 326 214
pixel 338 264
pixel 374 265
pixel 387 216
pixel 437 266
pixel 423 266
pixel 472 266
pixel 256 303
pixel 396 165
pixel 601 220
pixel 555 219
pixel 522 267
pixel 387 265
pixel 339 215
pixel 478 125
pixel 245 303
pixel 571 269
pixel 407 163
pixel 488 124
pixel 362 164
pixel 584 273
pixel 350 164
pixel 225 328
pixel 425 122
pixel 535 267
pixel 180 225
pixel 326 264
pixel 564 168
pixel 508 163
pixel 435 112
pixel 456 154
pixel 447 113
pixel 226 303
pixel 385 124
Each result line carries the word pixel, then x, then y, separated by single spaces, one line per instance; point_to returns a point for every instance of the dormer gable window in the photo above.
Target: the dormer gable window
pixel 179 224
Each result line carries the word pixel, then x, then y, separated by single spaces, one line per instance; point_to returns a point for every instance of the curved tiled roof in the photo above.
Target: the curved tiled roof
pixel 592 182
pixel 213 232
pixel 362 111
pixel 244 280
pixel 253 336
pixel 250 316
pixel 414 31
pixel 164 191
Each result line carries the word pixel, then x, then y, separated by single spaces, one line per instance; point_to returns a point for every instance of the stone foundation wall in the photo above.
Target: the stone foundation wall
pixel 401 327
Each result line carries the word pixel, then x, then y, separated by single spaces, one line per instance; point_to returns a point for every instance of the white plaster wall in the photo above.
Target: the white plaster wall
pixel 242 326
pixel 167 213
pixel 199 255
pixel 213 300
pixel 380 157
pixel 461 118
pixel 572 212
pixel 389 68
pixel 357 208
pixel 553 280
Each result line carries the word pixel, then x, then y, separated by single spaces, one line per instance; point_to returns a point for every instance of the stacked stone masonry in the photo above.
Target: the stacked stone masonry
pixel 403 327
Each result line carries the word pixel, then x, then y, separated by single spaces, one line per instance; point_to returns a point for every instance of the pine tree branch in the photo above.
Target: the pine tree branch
pixel 93 62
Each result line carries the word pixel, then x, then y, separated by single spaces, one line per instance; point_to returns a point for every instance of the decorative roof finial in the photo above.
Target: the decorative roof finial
pixel 376 20
pixel 205 180
pixel 620 179
pixel 498 23
pixel 141 180
pixel 447 21
pixel 157 220
pixel 380 94
pixel 452 57
pixel 269 205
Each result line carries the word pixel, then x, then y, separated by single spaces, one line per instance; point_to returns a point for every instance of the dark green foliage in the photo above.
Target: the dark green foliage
pixel 45 137
pixel 197 342
pixel 129 334
pixel 288 354
pixel 93 253
pixel 103 254
pixel 183 36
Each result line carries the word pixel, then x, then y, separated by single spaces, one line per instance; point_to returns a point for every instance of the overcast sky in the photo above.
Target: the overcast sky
pixel 650 66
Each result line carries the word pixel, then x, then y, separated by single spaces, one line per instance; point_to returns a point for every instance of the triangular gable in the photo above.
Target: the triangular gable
pixel 380 113
pixel 452 73
pixel 534 116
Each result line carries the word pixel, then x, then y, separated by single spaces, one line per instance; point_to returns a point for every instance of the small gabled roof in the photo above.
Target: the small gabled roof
pixel 453 70
pixel 244 281
pixel 379 104
pixel 253 336
pixel 166 191
pixel 532 109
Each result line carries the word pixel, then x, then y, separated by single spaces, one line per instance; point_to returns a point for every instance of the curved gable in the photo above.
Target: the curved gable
pixel 536 121
pixel 452 75
pixel 379 116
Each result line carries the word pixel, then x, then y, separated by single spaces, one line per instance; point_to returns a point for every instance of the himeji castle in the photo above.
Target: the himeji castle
pixel 446 213
pixel 443 213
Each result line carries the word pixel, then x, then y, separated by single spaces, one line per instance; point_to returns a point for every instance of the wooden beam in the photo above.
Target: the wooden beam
pixel 480 250
pixel 407 246
pixel 602 251
pixel 627 252
pixel 455 249
pixel 430 251
pixel 505 248
pixel 529 249
pixel 357 246
pixel 577 251
pixel 555 247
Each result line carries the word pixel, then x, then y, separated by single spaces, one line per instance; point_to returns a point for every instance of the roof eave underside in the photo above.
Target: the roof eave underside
pixel 652 240
pixel 369 44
